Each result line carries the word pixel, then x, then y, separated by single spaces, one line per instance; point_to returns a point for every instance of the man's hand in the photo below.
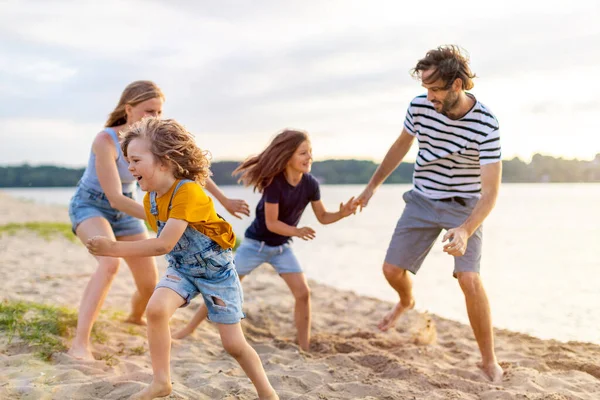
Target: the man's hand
pixel 363 199
pixel 100 246
pixel 348 208
pixel 305 233
pixel 235 206
pixel 459 238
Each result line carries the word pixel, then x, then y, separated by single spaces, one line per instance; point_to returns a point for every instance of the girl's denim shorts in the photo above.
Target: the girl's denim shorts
pixel 88 203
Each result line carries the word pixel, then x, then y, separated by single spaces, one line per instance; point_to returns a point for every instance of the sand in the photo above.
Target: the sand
pixel 426 357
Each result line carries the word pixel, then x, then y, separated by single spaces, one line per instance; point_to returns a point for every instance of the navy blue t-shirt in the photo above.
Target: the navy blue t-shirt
pixel 292 201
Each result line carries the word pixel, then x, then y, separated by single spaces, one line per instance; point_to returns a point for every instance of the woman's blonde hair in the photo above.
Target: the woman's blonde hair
pixel 135 93
pixel 259 171
pixel 170 143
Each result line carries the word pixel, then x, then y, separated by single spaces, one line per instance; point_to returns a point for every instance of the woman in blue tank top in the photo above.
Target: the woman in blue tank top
pixel 104 205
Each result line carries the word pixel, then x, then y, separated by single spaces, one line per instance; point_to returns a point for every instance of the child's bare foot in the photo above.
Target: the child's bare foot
pixel 153 391
pixel 136 320
pixel 81 353
pixel 390 319
pixel 492 371
pixel 272 396
pixel 180 334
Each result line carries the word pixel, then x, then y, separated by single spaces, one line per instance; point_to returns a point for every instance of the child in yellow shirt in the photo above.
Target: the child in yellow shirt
pixel 169 166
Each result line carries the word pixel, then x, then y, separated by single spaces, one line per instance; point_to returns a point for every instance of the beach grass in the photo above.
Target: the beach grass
pixel 46 230
pixel 40 326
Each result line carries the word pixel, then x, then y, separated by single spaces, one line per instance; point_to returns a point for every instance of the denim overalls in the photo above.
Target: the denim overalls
pixel 197 264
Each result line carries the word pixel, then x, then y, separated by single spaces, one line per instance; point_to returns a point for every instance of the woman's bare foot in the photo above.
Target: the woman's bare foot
pixel 153 391
pixel 182 333
pixel 492 371
pixel 390 319
pixel 136 320
pixel 81 353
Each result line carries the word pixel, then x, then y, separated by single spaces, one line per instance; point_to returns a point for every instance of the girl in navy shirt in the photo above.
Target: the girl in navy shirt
pixel 282 174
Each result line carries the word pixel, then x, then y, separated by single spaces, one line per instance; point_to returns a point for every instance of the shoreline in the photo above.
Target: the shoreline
pixel 53 212
pixel 425 357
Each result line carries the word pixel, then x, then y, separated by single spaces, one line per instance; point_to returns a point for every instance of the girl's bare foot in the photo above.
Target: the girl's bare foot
pixel 390 319
pixel 81 353
pixel 153 391
pixel 180 334
pixel 493 371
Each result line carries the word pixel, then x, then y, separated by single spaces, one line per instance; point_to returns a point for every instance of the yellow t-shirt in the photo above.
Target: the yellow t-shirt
pixel 193 205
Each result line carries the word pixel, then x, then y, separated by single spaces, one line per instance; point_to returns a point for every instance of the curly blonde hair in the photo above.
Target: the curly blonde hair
pixel 171 143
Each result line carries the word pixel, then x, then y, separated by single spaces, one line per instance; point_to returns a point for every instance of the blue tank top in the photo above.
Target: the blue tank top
pixel 90 177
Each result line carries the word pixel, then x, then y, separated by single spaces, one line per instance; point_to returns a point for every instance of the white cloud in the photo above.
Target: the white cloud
pixel 237 72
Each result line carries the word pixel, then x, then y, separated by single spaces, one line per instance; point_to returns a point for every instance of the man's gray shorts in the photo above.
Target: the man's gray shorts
pixel 420 225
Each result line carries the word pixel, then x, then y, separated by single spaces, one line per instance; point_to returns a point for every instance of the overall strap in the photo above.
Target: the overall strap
pixel 181 182
pixel 153 207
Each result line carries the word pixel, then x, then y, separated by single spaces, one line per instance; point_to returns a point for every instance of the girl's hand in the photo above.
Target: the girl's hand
pixel 100 246
pixel 235 206
pixel 305 233
pixel 348 208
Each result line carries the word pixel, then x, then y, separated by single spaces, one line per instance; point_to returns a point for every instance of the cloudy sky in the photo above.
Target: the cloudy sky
pixel 236 72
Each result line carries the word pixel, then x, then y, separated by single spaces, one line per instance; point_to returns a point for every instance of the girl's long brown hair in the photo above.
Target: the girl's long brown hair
pixel 134 94
pixel 259 171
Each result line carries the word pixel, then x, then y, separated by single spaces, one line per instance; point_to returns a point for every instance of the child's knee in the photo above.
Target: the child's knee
pixel 235 348
pixel 156 312
pixel 303 294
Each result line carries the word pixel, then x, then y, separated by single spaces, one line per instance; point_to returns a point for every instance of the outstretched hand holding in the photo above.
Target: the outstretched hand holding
pixel 363 199
pixel 236 206
pixel 348 208
pixel 100 245
pixel 458 241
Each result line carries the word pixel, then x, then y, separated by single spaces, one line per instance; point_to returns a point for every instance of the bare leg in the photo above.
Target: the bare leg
pixel 400 281
pixel 145 274
pixel 191 326
pixel 162 305
pixel 299 287
pixel 478 308
pixel 196 320
pixel 96 290
pixel 235 344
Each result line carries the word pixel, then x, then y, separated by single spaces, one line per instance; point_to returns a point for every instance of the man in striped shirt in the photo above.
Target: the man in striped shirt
pixel 456 180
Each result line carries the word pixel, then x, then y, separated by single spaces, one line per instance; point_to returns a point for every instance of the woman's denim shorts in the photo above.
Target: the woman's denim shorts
pixel 88 203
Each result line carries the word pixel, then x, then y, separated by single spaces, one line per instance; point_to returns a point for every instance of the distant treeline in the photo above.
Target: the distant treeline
pixel 540 169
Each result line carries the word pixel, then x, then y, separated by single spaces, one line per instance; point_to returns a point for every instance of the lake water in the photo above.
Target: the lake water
pixel 541 257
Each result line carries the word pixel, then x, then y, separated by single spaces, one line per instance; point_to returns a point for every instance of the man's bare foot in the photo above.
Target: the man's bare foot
pixel 136 320
pixel 81 353
pixel 182 333
pixel 153 391
pixel 390 319
pixel 492 371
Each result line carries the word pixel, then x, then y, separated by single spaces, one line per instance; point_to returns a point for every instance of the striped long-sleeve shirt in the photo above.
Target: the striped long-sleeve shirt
pixel 451 152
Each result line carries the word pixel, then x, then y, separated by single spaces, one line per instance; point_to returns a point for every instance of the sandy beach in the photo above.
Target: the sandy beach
pixel 426 357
